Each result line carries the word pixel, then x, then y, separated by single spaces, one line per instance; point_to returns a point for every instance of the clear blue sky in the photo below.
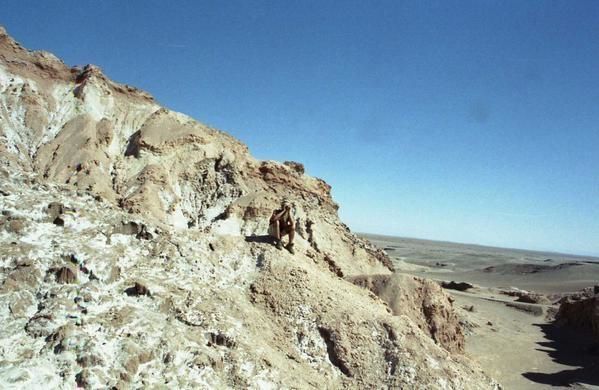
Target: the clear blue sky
pixel 471 121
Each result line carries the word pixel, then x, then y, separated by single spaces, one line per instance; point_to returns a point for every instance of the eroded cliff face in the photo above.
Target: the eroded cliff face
pixel 581 311
pixel 132 255
pixel 424 301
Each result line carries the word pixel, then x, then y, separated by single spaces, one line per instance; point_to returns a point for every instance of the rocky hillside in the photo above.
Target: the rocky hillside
pixel 132 253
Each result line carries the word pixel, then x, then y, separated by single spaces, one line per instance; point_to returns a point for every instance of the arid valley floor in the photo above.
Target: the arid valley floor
pixel 516 343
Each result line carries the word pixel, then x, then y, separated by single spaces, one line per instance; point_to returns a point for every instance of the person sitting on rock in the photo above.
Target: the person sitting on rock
pixel 281 224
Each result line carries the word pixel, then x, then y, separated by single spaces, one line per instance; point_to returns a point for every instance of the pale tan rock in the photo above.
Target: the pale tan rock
pixel 25 276
pixel 15 226
pixel 22 304
pixel 421 300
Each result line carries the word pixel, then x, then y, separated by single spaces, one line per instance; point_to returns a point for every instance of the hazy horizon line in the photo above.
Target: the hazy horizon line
pixel 591 255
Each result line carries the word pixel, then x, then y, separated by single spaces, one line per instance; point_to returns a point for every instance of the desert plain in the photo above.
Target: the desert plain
pixel 518 343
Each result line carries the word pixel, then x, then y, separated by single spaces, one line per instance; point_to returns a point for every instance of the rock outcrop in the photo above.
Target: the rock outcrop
pixel 423 301
pixel 527 296
pixel 459 286
pixel 138 257
pixel 581 311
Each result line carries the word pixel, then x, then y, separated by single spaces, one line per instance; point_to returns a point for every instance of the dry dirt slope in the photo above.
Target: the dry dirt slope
pixel 130 256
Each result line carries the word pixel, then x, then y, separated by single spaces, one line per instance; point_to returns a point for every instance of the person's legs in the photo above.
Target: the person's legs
pixel 278 232
pixel 291 231
pixel 274 230
pixel 284 231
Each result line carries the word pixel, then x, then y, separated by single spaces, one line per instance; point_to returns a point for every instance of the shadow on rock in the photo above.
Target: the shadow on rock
pixel 571 348
pixel 264 239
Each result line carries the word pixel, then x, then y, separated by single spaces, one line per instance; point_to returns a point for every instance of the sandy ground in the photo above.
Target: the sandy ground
pixel 516 343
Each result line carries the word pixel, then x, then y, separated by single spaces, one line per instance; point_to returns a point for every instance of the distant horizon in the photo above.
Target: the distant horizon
pixel 470 122
pixel 543 251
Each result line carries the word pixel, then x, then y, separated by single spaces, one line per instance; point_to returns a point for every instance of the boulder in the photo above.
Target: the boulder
pixel 534 298
pixel 55 210
pixel 137 290
pixel 15 225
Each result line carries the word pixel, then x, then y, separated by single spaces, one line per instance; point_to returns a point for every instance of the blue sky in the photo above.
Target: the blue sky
pixel 468 121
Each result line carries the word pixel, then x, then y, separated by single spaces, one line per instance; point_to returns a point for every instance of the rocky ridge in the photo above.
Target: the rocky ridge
pixel 133 254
